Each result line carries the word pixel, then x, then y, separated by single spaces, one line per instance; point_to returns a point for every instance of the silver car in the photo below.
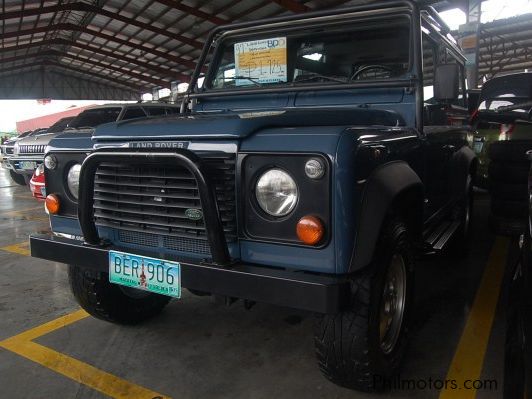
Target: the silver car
pixel 29 152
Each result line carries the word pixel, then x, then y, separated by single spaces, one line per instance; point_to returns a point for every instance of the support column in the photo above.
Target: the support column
pixel 470 33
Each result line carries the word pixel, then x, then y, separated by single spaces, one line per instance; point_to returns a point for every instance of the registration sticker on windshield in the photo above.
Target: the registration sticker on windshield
pixel 260 61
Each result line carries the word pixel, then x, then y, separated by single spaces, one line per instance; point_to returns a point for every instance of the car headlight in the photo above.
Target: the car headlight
pixel 73 180
pixel 39 171
pixel 276 192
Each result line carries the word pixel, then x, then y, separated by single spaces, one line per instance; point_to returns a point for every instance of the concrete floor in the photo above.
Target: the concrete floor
pixel 200 349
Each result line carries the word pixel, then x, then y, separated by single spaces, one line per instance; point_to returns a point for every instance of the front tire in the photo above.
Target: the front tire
pixel 362 347
pixel 111 302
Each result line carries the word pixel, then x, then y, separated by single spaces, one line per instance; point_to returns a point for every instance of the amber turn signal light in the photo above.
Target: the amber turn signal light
pixel 310 230
pixel 52 203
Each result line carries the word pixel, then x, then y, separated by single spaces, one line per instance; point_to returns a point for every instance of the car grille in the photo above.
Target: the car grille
pixel 153 200
pixel 32 149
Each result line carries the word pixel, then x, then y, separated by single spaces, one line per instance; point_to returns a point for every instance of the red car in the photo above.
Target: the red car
pixel 37 187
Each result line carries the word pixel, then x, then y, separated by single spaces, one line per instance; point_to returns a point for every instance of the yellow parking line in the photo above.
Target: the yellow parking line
pixel 74 369
pixel 469 356
pixel 20 248
pixel 49 327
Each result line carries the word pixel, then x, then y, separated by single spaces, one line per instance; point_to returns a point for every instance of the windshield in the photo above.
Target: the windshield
pixel 60 125
pixel 345 54
pixel 25 134
pixel 95 117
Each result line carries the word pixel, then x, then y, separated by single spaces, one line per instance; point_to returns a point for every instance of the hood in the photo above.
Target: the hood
pixel 239 125
pixel 71 141
pixel 40 139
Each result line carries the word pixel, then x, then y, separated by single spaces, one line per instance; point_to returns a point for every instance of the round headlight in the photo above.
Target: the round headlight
pixel 276 192
pixel 73 180
pixel 50 162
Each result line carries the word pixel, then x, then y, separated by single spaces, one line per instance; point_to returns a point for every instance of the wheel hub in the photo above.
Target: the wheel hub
pixel 392 303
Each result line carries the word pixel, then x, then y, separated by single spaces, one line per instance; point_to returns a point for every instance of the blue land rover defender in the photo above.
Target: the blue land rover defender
pixel 319 156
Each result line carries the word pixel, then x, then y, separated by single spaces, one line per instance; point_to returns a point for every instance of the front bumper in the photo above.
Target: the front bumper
pixel 311 292
pixel 16 160
pixel 5 163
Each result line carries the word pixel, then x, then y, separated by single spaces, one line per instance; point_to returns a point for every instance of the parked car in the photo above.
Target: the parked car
pixel 309 170
pixel 8 149
pixel 504 114
pixel 503 136
pixel 37 186
pixel 518 347
pixel 29 152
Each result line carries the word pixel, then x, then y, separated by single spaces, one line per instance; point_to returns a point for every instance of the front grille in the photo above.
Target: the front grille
pixel 152 200
pixel 32 149
pixel 180 244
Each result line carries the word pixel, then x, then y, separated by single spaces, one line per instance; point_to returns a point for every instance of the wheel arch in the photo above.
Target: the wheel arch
pixel 464 163
pixel 392 188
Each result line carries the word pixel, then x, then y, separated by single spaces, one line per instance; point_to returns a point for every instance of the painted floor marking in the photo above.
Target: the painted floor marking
pixel 22 248
pixel 469 356
pixel 21 212
pixel 83 373
pixel 33 214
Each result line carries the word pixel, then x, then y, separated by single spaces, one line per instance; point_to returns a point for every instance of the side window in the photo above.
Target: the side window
pixel 134 112
pixel 429 57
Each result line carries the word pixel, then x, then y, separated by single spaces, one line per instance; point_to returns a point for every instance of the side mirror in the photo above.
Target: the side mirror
pixel 446 82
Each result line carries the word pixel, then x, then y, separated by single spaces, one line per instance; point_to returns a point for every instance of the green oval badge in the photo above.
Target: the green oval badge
pixel 194 214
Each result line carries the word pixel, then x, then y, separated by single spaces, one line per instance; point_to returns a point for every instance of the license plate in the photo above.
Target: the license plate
pixel 27 165
pixel 147 274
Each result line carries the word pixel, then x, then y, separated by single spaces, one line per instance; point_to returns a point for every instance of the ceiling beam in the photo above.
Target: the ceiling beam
pixel 55 53
pixel 85 7
pixel 38 64
pixel 64 42
pixel 189 64
pixel 178 5
pixel 292 5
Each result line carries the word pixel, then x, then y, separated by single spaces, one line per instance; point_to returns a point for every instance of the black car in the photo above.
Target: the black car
pixel 518 359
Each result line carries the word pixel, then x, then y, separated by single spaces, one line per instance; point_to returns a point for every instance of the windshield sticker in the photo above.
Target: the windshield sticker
pixel 260 61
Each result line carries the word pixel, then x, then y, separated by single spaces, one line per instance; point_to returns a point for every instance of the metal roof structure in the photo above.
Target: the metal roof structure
pixel 505 46
pixel 116 49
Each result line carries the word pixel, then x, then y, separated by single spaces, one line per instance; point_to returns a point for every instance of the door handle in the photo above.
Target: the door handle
pixel 449 148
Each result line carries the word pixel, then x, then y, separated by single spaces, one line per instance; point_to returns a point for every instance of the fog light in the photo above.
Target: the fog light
pixel 52 204
pixel 314 168
pixel 310 230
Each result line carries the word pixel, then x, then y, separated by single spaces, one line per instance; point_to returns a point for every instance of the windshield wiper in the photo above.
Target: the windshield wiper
pixel 79 128
pixel 318 76
pixel 255 81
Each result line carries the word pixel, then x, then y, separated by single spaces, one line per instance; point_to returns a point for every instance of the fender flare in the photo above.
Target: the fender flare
pixel 463 163
pixel 384 186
